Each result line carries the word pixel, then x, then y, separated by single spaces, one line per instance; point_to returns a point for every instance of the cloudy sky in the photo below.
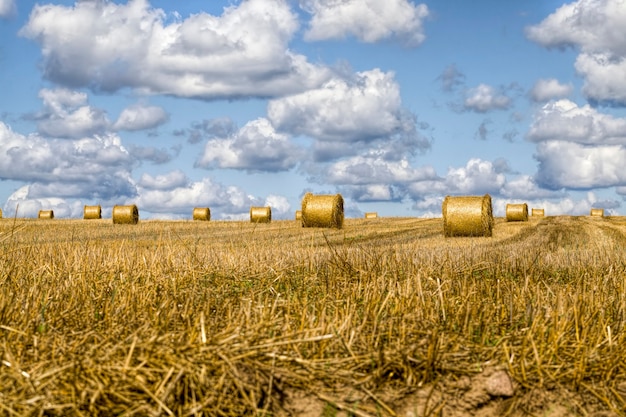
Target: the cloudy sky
pixel 392 103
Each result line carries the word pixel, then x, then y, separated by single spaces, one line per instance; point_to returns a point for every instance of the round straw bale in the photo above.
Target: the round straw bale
pixel 125 214
pixel 371 215
pixel 202 213
pixel 322 210
pixel 537 212
pixel 0 213
pixel 260 214
pixel 467 216
pixel 517 212
pixel 298 214
pixel 46 214
pixel 597 212
pixel 92 212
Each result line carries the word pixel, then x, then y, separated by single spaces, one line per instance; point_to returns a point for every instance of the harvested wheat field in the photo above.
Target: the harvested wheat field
pixel 385 318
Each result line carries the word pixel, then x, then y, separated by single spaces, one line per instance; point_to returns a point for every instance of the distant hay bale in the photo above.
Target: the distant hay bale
pixel 260 214
pixel 467 216
pixel 517 212
pixel 597 212
pixel 92 212
pixel 125 214
pixel 371 215
pixel 0 213
pixel 537 212
pixel 46 214
pixel 298 214
pixel 322 210
pixel 202 213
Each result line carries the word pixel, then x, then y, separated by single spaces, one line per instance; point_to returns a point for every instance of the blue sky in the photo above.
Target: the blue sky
pixel 228 104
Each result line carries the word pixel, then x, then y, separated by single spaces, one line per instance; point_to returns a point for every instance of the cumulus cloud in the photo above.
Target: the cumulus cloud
pixel 96 167
pixel 169 193
pixel 484 98
pixel 107 46
pixel 279 204
pixel 367 20
pixel 345 111
pixel 169 181
pixel 476 177
pixel 140 117
pixel 23 203
pixel 67 114
pixel 547 89
pixel 596 28
pixel 254 147
pixel 564 120
pixel 7 8
pixel 576 166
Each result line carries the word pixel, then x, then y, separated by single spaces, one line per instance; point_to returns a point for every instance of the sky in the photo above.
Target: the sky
pixel 395 104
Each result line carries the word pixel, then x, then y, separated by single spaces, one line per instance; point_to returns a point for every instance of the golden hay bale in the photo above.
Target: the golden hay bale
pixel 92 212
pixel 46 214
pixel 298 214
pixel 322 210
pixel 202 213
pixel 517 212
pixel 260 214
pixel 0 213
pixel 125 214
pixel 467 216
pixel 371 215
pixel 597 212
pixel 538 212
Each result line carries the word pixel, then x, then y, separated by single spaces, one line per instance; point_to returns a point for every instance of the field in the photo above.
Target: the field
pixel 385 317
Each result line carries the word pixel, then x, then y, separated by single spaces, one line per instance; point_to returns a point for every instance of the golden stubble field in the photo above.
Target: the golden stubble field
pixel 384 317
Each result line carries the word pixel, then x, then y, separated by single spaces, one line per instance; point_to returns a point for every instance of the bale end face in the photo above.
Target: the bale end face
pixel 517 212
pixel 467 216
pixel 125 214
pixel 260 214
pixel 202 214
pixel 322 210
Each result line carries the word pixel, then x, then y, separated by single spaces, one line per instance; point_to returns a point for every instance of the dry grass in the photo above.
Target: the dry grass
pixel 229 318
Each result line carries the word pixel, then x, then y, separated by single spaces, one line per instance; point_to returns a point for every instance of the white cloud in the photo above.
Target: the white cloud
pixel 362 109
pixel 484 98
pixel 596 27
pixel 476 177
pixel 576 166
pixel 525 186
pixel 169 181
pixel 140 117
pixel 279 204
pixel 7 8
pixel 225 202
pixel 108 46
pixel 68 115
pixel 563 120
pixel 371 170
pixel 547 89
pixel 367 20
pixel 23 202
pixel 96 167
pixel 254 147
